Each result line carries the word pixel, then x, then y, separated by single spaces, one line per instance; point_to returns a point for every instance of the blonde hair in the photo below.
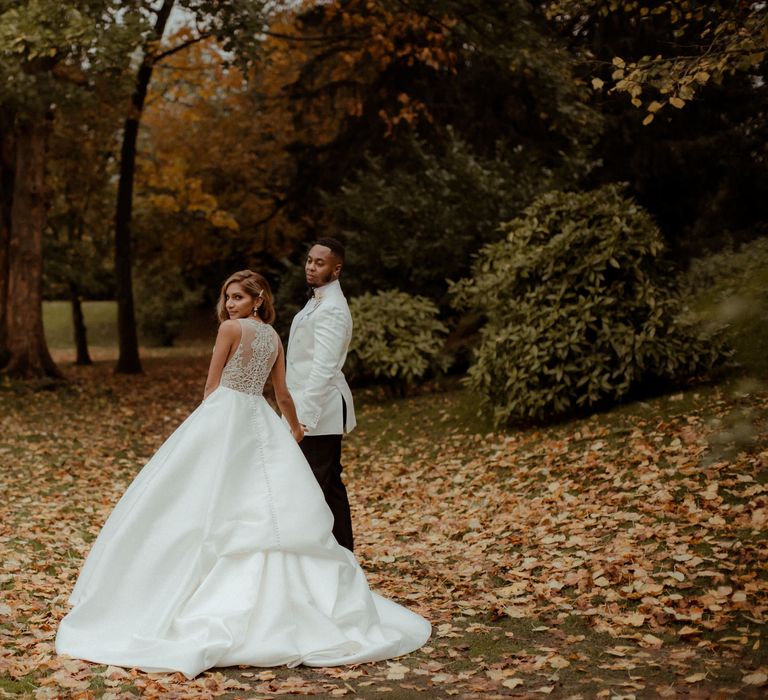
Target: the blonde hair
pixel 254 284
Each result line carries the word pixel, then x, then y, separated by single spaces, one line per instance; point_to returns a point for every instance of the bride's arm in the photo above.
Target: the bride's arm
pixel 226 341
pixel 283 396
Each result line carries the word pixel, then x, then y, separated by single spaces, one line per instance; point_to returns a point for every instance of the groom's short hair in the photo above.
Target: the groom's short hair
pixel 333 245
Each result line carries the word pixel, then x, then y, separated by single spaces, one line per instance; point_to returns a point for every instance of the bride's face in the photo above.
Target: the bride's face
pixel 238 302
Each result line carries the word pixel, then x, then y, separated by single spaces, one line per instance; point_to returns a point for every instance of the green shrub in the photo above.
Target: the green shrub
pixel 163 302
pixel 719 274
pixel 579 308
pixel 730 288
pixel 413 222
pixel 396 336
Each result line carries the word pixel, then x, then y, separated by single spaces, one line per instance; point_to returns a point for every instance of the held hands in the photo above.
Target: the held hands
pixel 298 432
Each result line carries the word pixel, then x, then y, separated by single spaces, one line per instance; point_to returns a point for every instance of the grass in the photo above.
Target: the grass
pixel 101 327
pixel 442 410
pixel 100 320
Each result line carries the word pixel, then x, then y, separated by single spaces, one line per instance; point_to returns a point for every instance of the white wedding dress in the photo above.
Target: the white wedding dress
pixel 220 552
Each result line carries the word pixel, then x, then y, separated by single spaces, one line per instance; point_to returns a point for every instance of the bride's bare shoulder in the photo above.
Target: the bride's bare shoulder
pixel 229 328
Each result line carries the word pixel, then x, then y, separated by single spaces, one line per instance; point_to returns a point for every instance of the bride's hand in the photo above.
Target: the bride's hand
pixel 298 433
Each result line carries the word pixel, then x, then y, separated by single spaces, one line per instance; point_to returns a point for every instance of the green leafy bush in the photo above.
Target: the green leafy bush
pixel 730 288
pixel 579 308
pixel 163 302
pixel 729 270
pixel 415 221
pixel 396 336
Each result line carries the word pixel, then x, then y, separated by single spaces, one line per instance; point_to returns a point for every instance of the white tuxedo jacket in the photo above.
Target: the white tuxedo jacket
pixel 317 348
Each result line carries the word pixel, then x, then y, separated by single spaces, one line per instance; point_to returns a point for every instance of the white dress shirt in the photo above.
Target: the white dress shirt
pixel 317 348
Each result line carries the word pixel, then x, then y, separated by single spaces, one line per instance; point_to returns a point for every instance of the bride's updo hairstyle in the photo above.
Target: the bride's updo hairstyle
pixel 255 285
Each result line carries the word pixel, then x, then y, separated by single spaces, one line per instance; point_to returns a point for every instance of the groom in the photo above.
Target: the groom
pixel 317 348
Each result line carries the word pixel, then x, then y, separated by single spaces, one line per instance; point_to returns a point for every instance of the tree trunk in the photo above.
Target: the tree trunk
pixel 128 361
pixel 78 323
pixel 7 168
pixel 28 351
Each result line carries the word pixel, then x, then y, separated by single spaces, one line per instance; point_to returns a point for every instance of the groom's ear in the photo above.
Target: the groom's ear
pixel 337 263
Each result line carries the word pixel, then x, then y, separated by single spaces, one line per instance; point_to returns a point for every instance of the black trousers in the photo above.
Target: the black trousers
pixel 323 452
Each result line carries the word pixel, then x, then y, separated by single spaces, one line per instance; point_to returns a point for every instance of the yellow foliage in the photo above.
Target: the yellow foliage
pixel 715 40
pixel 300 91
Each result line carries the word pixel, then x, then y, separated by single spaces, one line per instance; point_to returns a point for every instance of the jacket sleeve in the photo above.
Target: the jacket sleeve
pixel 331 340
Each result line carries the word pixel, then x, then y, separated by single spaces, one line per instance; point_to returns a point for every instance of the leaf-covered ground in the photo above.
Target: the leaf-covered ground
pixel 619 556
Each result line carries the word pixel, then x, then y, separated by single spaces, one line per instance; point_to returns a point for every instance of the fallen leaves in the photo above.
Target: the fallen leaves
pixel 649 640
pixel 695 677
pixel 758 678
pixel 546 559
pixel 396 671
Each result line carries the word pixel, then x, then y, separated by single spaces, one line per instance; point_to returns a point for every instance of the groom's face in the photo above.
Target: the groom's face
pixel 322 266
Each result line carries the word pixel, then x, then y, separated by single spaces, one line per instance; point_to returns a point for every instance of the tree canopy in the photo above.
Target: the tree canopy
pixel 410 129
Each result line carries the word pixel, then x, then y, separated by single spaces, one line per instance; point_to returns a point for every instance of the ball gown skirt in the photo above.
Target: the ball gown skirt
pixel 220 553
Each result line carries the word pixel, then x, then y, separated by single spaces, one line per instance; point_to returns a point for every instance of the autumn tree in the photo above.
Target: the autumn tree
pixel 245 195
pixel 50 52
pixel 339 82
pixel 78 238
pixel 348 109
pixel 128 359
pixel 446 161
pixel 208 204
pixel 179 216
pixel 238 27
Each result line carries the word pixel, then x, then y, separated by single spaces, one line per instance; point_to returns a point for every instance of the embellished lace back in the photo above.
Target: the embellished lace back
pixel 249 367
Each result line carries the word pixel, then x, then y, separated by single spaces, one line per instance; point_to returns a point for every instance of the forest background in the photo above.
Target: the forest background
pixel 554 210
pixel 143 160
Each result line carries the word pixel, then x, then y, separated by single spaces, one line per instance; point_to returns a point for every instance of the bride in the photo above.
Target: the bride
pixel 220 552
